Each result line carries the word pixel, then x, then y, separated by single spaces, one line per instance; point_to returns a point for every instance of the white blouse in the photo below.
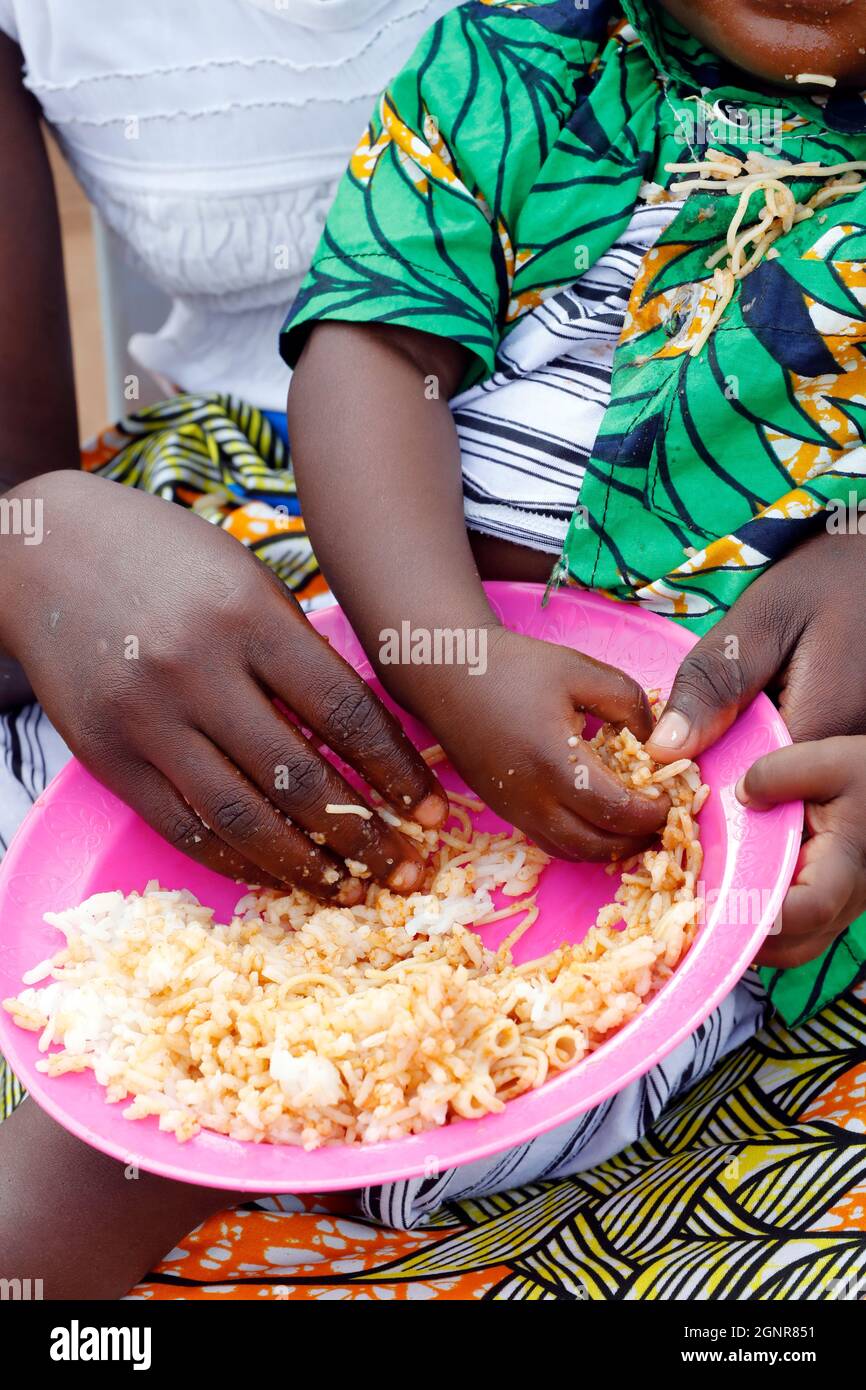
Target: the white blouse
pixel 211 135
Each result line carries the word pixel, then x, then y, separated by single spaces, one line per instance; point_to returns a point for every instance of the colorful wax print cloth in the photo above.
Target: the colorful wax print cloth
pixel 751 1186
pixel 229 462
pixel 506 159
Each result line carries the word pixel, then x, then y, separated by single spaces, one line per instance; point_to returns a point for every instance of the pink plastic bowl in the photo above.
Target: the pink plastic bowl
pixel 79 839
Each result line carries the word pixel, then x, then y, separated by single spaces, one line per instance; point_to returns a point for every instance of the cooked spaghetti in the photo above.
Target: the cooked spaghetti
pixel 302 1024
pixel 746 247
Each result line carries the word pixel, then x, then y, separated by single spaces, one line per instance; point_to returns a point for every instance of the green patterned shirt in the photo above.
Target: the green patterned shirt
pixel 501 163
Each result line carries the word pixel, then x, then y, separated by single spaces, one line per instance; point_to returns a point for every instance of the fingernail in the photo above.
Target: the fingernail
pixel 671 731
pixel 431 811
pixel 741 794
pixel 406 875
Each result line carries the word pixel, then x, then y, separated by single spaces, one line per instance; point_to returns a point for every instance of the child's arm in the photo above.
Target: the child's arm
pixel 86 1225
pixel 378 466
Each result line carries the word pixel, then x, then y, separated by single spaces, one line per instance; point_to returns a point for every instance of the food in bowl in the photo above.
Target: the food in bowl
pixel 297 1023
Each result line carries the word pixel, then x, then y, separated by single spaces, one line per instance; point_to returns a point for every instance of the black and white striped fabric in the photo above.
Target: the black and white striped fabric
pixel 527 432
pixel 31 752
pixel 591 1138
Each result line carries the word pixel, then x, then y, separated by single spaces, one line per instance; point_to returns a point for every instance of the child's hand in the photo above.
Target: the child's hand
pixel 155 642
pixel 507 732
pixel 389 459
pixel 796 629
pixel 829 888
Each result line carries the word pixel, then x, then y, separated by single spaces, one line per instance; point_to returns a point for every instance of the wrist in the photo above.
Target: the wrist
pixel 434 670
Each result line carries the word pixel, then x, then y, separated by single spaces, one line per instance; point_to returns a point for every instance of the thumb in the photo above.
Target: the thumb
pixel 721 675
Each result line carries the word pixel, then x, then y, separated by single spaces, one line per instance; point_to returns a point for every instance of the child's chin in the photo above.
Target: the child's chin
pixel 776 40
pixel 849 76
pixel 782 63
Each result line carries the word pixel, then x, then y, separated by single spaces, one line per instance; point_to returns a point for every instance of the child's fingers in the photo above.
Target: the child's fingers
pixel 607 693
pixel 598 796
pixel 817 904
pixel 823 887
pixel 828 883
pixel 567 836
pixel 722 674
pixel 291 772
pixel 815 772
pixel 299 666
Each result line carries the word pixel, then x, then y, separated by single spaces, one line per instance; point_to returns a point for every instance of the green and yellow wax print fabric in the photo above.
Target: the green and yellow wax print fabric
pixel 222 458
pixel 501 163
